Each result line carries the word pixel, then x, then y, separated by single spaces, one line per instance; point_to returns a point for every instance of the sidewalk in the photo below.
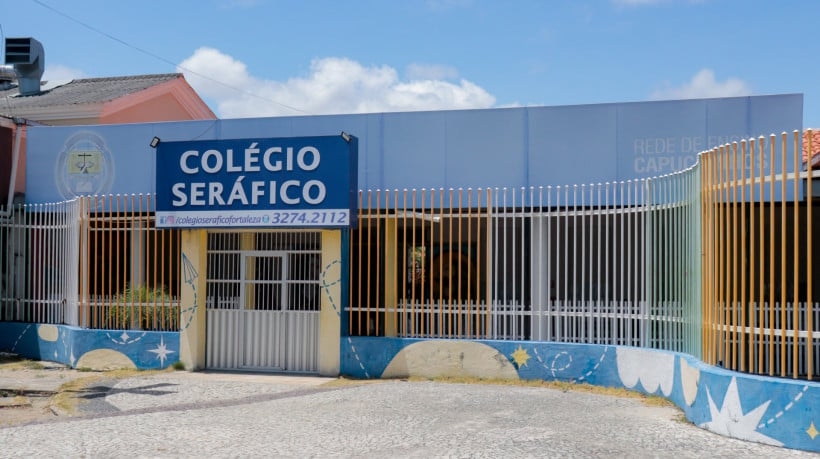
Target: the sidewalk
pixel 22 377
pixel 28 389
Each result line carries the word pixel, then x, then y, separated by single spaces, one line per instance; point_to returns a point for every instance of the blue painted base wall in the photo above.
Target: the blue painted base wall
pixel 769 410
pixel 65 344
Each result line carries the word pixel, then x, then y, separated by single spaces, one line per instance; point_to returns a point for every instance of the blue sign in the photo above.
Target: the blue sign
pixel 243 183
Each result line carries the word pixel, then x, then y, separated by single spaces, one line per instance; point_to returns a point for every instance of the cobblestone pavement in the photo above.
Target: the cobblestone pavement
pixel 217 415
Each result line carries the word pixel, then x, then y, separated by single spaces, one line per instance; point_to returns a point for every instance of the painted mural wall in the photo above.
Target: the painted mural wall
pixel 92 349
pixel 774 411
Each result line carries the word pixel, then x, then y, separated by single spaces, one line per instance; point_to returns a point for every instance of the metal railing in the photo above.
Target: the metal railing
pixel 39 253
pixel 708 261
pixel 129 268
pixel 94 262
pixel 612 263
pixel 758 255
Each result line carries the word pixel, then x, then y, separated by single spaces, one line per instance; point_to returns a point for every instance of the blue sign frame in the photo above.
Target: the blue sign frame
pixel 292 182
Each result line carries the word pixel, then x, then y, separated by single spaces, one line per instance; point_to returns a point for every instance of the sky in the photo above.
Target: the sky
pixel 253 58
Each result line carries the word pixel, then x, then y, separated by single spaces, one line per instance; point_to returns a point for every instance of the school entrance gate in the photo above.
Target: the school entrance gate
pixel 263 301
pixel 264 263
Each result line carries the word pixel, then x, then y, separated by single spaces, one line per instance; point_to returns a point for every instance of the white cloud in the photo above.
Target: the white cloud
pixel 704 85
pixel 333 85
pixel 61 72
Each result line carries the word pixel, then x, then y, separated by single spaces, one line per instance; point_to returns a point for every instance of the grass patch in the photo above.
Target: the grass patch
pixel 343 381
pixel 680 417
pixel 178 366
pixel 20 364
pixel 649 400
pixel 16 401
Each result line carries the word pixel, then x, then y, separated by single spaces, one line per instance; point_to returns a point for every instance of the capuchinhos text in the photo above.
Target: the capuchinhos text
pixel 273 159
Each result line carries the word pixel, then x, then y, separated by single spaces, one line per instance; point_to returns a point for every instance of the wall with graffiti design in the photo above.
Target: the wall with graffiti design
pixel 92 349
pixel 768 410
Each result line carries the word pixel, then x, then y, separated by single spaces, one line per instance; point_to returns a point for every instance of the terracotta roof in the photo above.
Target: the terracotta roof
pixel 82 91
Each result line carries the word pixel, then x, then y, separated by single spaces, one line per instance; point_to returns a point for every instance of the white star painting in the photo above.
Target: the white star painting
pixel 161 351
pixel 730 420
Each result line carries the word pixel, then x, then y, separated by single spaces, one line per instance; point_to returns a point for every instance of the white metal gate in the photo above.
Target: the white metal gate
pixel 263 301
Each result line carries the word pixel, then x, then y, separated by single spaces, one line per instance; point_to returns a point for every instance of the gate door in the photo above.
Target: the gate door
pixel 263 305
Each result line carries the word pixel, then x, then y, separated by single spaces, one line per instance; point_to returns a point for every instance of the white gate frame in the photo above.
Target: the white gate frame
pixel 267 340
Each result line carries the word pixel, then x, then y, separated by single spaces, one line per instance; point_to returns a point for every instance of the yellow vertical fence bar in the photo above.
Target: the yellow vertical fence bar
pixel 378 300
pixel 488 271
pixel 413 267
pixel 719 254
pixel 733 256
pixel 434 322
pixel 709 257
pixel 420 256
pixel 404 264
pixel 761 247
pixel 396 256
pixel 713 267
pixel 809 273
pixel 369 246
pixel 472 326
pixel 796 242
pixel 441 220
pixel 722 201
pixel 108 235
pixel 458 262
pixel 178 245
pixel 706 258
pixel 754 336
pixel 783 255
pixel 712 255
pixel 479 325
pixel 743 305
pixel 772 160
pixel 450 269
pixel 93 259
pixel 361 261
pixel 716 248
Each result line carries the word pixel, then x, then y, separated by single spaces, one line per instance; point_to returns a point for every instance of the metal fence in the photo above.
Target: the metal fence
pixel 129 268
pixel 612 263
pixel 95 262
pixel 39 253
pixel 715 261
pixel 757 249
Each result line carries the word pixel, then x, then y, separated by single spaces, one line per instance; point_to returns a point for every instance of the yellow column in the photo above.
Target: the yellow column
pixel 330 316
pixel 390 250
pixel 192 299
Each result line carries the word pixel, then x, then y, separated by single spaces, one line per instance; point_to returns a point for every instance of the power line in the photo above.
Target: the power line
pixel 160 58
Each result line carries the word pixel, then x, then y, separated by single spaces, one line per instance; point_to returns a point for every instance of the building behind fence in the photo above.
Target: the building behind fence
pixel 714 261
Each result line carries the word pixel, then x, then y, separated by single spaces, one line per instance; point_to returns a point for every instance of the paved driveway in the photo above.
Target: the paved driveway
pixel 219 415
